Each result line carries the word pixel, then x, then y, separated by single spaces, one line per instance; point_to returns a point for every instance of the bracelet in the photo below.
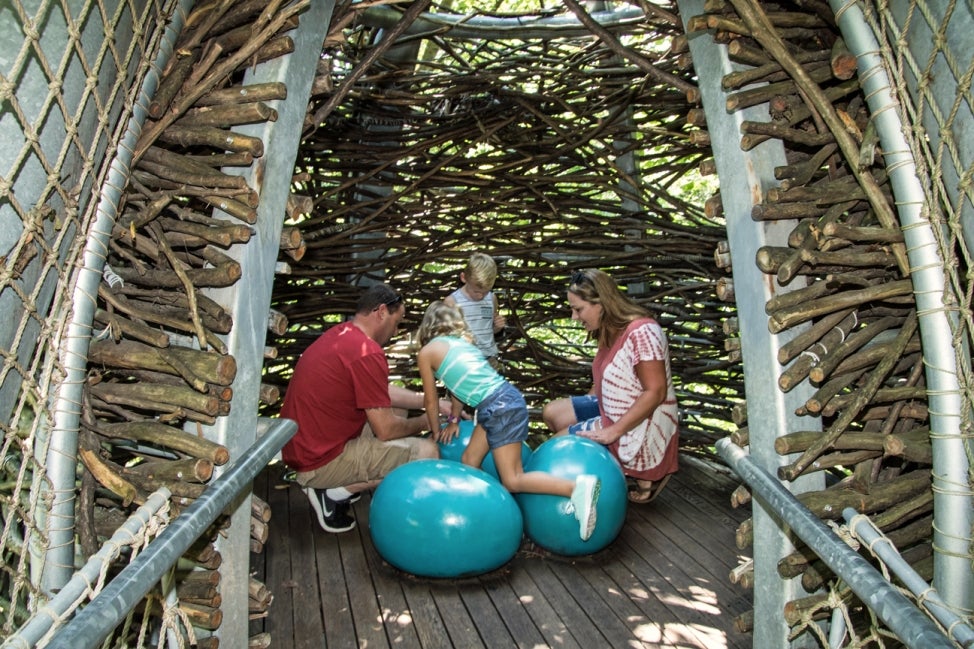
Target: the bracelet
pixel 452 420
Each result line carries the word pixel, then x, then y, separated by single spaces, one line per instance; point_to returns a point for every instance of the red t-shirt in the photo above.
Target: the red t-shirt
pixel 341 374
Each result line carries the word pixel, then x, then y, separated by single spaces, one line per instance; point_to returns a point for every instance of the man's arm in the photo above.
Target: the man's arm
pixel 406 399
pixel 387 425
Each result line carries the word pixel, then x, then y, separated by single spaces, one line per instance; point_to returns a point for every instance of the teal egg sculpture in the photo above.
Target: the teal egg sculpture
pixel 547 520
pixel 439 518
pixel 453 450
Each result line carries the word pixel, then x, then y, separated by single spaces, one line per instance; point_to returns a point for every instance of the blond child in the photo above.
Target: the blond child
pixel 477 301
pixel 500 412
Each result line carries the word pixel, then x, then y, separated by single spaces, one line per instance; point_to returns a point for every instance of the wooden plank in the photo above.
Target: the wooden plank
pixel 707 550
pixel 401 627
pixel 583 630
pixel 693 603
pixel 605 609
pixel 663 584
pixel 307 623
pixel 512 610
pixel 276 560
pixel 362 599
pixel 535 602
pixel 713 548
pixel 460 627
pixel 335 607
pixel 491 626
pixel 425 616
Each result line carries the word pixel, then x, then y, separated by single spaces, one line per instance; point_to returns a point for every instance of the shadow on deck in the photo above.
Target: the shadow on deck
pixel 662 583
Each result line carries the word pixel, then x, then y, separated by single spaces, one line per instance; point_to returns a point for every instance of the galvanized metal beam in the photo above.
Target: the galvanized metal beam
pixel 903 618
pixel 745 176
pixel 250 298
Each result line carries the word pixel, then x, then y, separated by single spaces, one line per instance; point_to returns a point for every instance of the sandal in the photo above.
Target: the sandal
pixel 644 491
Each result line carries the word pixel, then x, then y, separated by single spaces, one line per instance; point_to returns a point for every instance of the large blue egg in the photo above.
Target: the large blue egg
pixel 546 518
pixel 438 518
pixel 453 450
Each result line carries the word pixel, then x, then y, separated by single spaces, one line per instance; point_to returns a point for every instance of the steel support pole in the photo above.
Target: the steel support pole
pixel 250 298
pixel 745 176
pixel 929 599
pixel 903 618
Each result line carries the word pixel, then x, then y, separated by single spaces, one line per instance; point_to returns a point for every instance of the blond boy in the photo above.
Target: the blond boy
pixel 477 301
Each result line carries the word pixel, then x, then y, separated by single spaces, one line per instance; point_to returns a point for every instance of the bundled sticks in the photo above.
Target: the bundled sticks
pixel 852 310
pixel 159 369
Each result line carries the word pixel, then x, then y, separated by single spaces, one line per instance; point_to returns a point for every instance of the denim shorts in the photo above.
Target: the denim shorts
pixel 586 407
pixel 587 414
pixel 504 416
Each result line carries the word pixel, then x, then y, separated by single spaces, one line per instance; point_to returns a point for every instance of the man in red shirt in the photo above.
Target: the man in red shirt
pixel 352 427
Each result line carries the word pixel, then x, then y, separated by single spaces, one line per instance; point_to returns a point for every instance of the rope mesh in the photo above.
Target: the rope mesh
pixel 67 89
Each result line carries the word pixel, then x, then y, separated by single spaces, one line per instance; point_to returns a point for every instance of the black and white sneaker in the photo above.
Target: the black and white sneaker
pixel 332 516
pixel 350 500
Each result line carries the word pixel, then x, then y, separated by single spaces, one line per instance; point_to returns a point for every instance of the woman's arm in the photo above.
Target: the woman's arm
pixel 652 376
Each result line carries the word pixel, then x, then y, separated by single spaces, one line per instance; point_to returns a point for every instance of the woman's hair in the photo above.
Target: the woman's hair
pixel 441 319
pixel 618 310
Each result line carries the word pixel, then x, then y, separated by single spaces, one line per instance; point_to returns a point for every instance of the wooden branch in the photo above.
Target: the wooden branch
pixel 789 317
pixel 216 138
pixel 193 365
pixel 831 359
pixel 108 477
pixel 157 397
pixel 863 396
pixel 757 20
pixel 159 434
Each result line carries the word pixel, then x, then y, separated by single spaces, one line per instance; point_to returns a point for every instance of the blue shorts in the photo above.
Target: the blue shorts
pixel 504 415
pixel 585 406
pixel 587 413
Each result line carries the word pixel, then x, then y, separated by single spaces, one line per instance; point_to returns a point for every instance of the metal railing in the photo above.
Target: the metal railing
pixel 896 611
pixel 104 612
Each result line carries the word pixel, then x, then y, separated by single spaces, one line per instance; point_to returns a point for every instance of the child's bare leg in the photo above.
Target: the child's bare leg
pixel 507 459
pixel 583 492
pixel 477 448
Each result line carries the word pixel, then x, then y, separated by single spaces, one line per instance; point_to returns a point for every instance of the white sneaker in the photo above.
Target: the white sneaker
pixel 585 496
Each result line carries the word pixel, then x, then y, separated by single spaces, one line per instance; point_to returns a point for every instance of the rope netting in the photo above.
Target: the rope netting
pixel 69 73
pixel 521 148
pixel 923 45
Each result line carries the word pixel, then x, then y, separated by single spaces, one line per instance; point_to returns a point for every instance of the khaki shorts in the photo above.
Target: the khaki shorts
pixel 364 459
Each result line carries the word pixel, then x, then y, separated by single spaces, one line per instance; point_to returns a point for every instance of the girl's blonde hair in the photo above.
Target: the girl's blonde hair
pixel 595 286
pixel 441 319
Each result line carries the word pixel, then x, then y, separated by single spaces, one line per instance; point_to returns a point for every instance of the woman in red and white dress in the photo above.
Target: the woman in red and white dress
pixel 632 406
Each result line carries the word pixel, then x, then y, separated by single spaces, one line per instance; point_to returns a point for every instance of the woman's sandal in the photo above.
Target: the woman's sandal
pixel 644 491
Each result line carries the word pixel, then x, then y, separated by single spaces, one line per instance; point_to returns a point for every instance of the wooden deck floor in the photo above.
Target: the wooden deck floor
pixel 662 583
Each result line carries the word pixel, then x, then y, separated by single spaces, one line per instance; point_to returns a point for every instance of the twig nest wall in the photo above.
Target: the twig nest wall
pixel 548 520
pixel 439 518
pixel 453 450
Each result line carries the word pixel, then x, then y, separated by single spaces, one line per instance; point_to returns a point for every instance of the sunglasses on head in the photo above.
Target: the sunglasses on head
pixel 578 277
pixel 390 303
